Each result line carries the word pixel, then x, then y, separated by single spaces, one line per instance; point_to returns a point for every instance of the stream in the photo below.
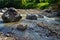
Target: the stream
pixel 33 32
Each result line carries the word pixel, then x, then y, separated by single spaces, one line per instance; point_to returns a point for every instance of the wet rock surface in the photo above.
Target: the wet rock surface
pixel 21 27
pixel 31 17
pixel 11 15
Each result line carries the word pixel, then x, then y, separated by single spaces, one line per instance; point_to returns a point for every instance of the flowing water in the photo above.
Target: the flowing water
pixel 33 32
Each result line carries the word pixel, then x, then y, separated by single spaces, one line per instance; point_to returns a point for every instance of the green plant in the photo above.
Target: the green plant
pixel 28 3
pixel 42 5
pixel 39 4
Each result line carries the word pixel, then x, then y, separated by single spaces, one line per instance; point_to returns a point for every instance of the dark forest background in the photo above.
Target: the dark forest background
pixel 30 4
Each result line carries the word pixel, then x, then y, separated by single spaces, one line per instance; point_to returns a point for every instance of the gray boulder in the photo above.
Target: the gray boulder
pixel 11 15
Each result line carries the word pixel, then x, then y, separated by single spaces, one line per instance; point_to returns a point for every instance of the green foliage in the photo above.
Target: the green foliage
pixel 3 3
pixel 28 3
pixel 39 4
pixel 17 3
pixel 42 5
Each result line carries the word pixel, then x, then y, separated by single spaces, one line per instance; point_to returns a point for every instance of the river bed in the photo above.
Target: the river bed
pixel 33 32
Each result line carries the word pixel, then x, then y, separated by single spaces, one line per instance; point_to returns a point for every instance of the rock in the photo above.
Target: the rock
pixel 7 37
pixel 6 34
pixel 31 17
pixel 11 15
pixel 21 27
pixel 42 25
pixel 41 16
pixel 4 10
pixel 58 14
pixel 49 11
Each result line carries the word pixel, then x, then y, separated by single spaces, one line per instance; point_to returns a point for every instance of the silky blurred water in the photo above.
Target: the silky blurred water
pixel 33 32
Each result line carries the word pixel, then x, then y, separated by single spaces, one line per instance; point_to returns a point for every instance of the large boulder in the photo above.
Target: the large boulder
pixel 31 17
pixel 11 15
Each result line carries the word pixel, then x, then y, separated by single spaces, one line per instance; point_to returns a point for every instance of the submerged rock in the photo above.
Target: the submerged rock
pixel 42 25
pixel 11 15
pixel 21 27
pixel 31 17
